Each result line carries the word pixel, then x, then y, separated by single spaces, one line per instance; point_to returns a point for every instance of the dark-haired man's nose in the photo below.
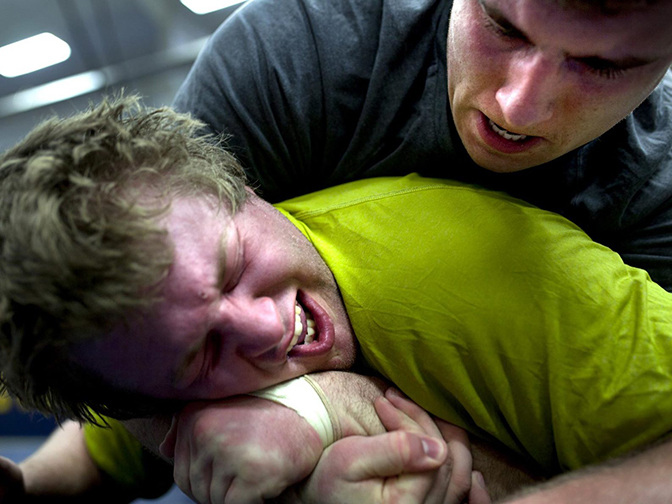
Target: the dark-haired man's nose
pixel 529 92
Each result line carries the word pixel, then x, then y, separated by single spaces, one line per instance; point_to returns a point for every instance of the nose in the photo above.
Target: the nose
pixel 530 90
pixel 251 326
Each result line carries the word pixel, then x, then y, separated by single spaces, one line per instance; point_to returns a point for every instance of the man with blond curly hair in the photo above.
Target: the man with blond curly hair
pixel 209 322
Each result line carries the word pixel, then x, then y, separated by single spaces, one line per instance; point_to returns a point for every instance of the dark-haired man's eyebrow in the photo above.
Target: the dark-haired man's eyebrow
pixel 621 63
pixel 498 17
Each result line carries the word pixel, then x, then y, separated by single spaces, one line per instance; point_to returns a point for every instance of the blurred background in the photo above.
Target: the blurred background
pixel 140 45
pixel 57 56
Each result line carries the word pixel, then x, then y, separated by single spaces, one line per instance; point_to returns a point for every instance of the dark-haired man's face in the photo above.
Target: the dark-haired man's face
pixel 247 303
pixel 529 81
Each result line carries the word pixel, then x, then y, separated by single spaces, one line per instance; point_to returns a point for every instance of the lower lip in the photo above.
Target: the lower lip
pixel 501 144
pixel 324 328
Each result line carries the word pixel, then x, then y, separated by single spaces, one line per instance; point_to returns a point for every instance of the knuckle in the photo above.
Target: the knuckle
pixel 402 443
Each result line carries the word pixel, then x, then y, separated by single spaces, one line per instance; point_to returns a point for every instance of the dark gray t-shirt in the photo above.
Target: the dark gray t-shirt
pixel 313 93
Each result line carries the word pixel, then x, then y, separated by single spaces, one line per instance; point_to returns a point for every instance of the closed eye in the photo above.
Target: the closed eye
pixel 508 32
pixel 602 68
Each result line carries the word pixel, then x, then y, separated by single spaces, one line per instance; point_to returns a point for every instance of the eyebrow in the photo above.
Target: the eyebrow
pixel 624 63
pixel 221 258
pixel 502 21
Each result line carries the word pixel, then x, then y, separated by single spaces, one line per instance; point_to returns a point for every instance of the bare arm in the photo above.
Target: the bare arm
pixel 353 397
pixel 641 477
pixel 45 480
pixel 504 472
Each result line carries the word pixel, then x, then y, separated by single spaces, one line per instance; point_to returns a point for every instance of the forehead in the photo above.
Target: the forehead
pixel 642 31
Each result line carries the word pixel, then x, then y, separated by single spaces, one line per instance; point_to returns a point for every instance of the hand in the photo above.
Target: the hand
pixel 409 464
pixel 12 488
pixel 241 450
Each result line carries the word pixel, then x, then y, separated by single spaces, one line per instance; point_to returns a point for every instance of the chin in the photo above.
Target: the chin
pixel 506 165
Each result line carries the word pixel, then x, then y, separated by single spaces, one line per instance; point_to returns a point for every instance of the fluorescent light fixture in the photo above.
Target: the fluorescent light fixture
pixel 62 89
pixel 206 6
pixel 31 54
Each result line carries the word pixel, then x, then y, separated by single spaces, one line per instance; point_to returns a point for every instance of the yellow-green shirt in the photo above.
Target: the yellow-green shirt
pixel 497 316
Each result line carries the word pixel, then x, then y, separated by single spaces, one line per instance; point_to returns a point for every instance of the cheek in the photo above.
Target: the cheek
pixel 590 110
pixel 475 65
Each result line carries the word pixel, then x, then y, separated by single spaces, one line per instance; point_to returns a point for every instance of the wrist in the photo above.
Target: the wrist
pixel 305 397
pixel 352 397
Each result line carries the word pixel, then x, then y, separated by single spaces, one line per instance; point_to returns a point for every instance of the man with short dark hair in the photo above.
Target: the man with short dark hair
pixel 564 104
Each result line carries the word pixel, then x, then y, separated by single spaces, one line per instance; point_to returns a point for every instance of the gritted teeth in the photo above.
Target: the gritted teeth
pixel 309 335
pixel 506 134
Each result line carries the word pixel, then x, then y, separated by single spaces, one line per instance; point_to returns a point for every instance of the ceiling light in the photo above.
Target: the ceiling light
pixel 206 6
pixel 31 54
pixel 54 92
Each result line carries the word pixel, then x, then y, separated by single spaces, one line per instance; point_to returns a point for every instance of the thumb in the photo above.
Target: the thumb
pixel 167 446
pixel 389 454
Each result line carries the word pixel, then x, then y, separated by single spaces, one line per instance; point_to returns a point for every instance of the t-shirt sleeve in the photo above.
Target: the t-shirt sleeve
pixel 260 81
pixel 122 458
pixel 310 94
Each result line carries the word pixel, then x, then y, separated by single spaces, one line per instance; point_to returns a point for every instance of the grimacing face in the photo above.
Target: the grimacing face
pixel 235 310
pixel 529 81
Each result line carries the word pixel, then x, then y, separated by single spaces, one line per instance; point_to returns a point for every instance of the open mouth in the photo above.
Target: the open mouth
pixel 515 137
pixel 502 140
pixel 304 327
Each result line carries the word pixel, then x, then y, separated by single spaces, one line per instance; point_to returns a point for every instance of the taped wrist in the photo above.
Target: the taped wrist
pixel 306 397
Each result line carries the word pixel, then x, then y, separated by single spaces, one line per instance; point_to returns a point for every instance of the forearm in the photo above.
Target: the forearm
pixel 62 469
pixel 642 477
pixel 504 472
pixel 352 397
pixel 150 432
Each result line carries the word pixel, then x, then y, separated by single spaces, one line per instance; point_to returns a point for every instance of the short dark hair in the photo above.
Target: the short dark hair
pixel 81 247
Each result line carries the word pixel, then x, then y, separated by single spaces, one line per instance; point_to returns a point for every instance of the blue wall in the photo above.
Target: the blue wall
pixel 15 421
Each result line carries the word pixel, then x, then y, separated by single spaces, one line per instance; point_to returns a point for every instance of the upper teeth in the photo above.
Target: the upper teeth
pixel 298 328
pixel 503 133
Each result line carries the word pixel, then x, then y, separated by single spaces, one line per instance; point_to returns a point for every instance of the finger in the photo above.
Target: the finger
pixel 388 454
pixel 167 446
pixel 412 410
pixel 182 467
pixel 393 418
pixel 220 487
pixel 460 459
pixel 200 477
pixel 240 492
pixel 479 492
pixel 403 462
pixel 452 433
pixel 439 490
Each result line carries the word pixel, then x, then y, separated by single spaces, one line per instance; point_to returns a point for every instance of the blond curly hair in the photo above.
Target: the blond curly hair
pixel 81 247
